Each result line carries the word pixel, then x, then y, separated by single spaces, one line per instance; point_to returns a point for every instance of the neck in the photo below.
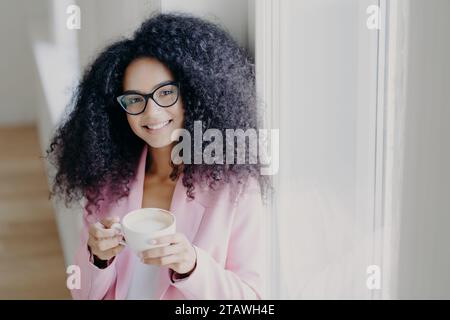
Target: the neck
pixel 161 162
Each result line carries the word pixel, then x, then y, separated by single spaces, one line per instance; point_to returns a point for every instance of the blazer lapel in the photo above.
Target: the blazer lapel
pixel 132 202
pixel 188 214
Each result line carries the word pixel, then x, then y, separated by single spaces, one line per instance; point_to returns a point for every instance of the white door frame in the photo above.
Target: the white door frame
pixel 386 127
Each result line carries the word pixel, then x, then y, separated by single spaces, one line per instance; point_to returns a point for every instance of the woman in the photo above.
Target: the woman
pixel 114 150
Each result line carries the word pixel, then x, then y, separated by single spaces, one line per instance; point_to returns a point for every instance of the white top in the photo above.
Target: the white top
pixel 144 281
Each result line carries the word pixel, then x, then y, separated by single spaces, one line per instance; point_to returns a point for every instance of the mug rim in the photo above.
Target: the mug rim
pixel 136 211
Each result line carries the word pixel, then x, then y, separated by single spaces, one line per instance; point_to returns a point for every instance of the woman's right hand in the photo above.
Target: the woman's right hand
pixel 103 240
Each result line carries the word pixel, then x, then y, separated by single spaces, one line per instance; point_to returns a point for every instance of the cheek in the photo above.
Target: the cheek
pixel 132 121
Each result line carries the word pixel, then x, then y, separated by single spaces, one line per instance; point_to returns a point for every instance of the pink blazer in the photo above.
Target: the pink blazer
pixel 224 225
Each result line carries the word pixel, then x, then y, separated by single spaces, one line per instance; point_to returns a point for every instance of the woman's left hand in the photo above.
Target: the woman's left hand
pixel 178 254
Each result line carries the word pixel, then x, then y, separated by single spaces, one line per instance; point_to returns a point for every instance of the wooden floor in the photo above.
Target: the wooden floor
pixel 31 260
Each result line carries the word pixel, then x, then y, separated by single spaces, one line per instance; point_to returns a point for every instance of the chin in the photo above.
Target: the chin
pixel 158 143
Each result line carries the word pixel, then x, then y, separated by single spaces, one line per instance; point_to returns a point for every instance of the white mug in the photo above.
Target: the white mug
pixel 141 225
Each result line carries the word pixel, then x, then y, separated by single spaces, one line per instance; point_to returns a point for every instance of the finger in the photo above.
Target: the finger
pixel 92 243
pixel 163 261
pixel 174 266
pixel 117 226
pixel 98 231
pixel 163 251
pixel 108 254
pixel 108 243
pixel 169 239
pixel 109 221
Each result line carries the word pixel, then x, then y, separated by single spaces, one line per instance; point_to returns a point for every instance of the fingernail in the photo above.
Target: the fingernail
pixel 152 241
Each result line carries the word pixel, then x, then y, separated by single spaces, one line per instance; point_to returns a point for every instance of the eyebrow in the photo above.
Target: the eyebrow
pixel 153 89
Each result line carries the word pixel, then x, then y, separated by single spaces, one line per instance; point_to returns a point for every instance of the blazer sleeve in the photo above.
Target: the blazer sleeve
pixel 242 277
pixel 95 282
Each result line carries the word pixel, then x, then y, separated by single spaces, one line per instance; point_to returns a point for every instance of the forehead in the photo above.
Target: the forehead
pixel 144 74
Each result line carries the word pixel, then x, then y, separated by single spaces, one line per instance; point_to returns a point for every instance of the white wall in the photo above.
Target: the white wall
pixel 231 14
pixel 55 57
pixel 424 254
pixel 18 75
pixel 105 21
pixel 323 86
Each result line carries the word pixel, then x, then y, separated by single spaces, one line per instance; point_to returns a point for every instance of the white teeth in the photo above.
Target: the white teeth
pixel 158 126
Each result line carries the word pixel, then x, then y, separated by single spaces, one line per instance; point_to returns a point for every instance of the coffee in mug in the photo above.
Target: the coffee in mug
pixel 141 225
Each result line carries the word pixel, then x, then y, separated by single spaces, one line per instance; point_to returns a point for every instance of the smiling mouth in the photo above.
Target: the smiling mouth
pixel 158 126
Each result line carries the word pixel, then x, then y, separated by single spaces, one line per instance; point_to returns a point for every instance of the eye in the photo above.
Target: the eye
pixel 132 100
pixel 166 92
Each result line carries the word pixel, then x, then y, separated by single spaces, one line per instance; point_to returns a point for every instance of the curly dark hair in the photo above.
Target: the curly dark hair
pixel 94 148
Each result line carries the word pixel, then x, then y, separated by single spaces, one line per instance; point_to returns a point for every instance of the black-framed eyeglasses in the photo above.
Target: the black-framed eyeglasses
pixel 165 95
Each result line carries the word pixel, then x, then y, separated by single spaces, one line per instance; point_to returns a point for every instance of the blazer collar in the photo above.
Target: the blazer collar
pixel 188 214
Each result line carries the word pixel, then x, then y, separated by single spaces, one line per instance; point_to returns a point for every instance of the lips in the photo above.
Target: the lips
pixel 157 126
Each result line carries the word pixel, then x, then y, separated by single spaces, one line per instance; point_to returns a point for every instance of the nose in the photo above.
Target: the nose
pixel 152 108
